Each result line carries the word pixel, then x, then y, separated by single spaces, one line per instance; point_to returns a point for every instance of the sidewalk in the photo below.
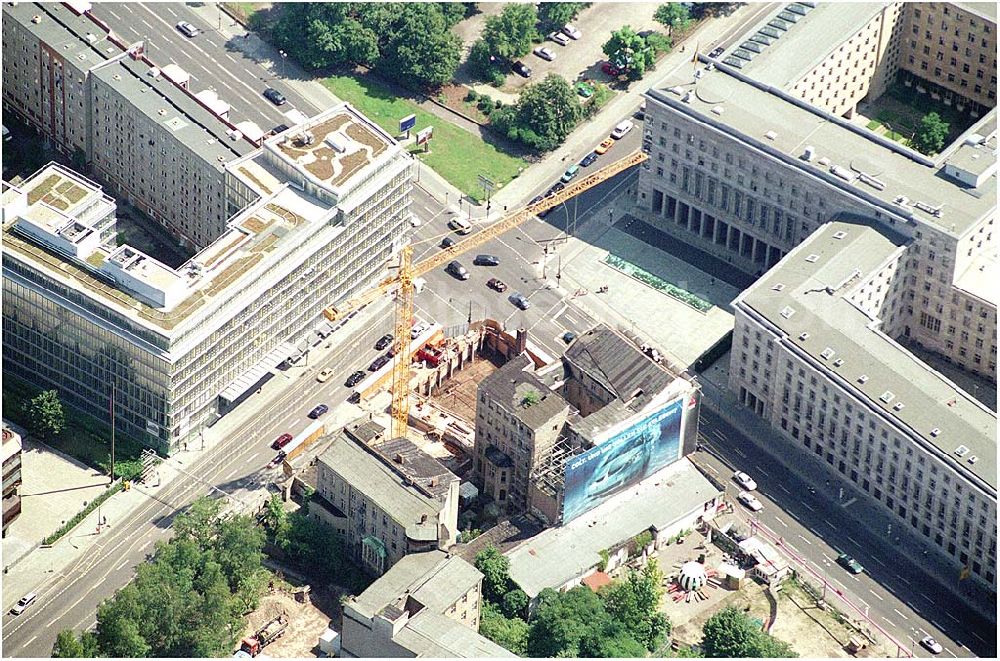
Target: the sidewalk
pixel 40 566
pixel 720 401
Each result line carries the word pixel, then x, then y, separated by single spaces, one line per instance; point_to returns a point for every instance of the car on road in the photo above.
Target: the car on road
pixel 849 563
pixel 415 221
pixel 23 603
pixel 571 31
pixel 496 284
pixel 544 212
pixel 717 51
pixel 932 646
pixel 447 242
pixel 744 481
pixel 610 69
pixel 558 186
pixel 622 129
pixel 379 363
pixel 750 501
pixel 324 375
pixel 354 379
pixel 544 53
pixel 318 411
pixel 384 341
pixel 419 329
pixel 456 269
pixel 278 458
pixel 588 159
pixel 187 29
pixel 486 260
pixel 275 97
pixel 521 69
pixel 641 112
pixel 460 222
pixel 570 173
pixel 559 38
pixel 281 441
pixel 607 144
pixel 535 199
pixel 585 89
pixel 520 300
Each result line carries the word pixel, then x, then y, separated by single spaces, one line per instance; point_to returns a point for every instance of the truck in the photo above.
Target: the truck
pixel 267 634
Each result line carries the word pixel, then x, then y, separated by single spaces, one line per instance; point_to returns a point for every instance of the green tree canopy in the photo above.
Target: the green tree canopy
pixel 931 134
pixel 424 50
pixel 510 633
pixel 673 15
pixel 554 15
pixel 495 567
pixel 613 641
pixel 730 633
pixel 634 603
pixel 563 620
pixel 545 113
pixel 629 52
pixel 68 646
pixel 509 35
pixel 515 603
pixel 45 415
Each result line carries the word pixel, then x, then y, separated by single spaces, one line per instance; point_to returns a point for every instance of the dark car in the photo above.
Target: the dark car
pixel 379 363
pixel 520 300
pixel 448 242
pixel 588 159
pixel 849 563
pixel 496 284
pixel 557 187
pixel 716 52
pixel 281 441
pixel 536 199
pixel 610 69
pixel 384 341
pixel 521 69
pixel 355 398
pixel 318 411
pixel 278 458
pixel 457 270
pixel 275 97
pixel 354 379
pixel 486 260
pixel 568 336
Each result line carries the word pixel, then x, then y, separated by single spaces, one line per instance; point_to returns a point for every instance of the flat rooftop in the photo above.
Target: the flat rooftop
pixel 783 127
pixel 558 555
pixel 74 37
pixel 987 10
pixel 938 413
pixel 981 276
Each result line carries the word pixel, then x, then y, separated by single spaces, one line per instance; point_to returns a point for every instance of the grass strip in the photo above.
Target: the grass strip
pixel 82 514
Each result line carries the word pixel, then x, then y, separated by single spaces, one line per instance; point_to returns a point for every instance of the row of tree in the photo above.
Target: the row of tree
pixel 190 600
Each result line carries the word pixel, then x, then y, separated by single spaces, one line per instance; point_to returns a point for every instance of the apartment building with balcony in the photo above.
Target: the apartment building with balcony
pixel 11 476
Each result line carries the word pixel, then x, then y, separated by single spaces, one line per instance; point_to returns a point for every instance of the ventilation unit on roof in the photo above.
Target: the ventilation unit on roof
pixel 718 110
pixel 813 258
pixel 803 336
pixel 677 89
pixel 710 67
pixel 863 378
pixel 809 153
pixel 887 396
pixel 787 312
pixel 686 98
pixel 935 432
pixel 842 173
pixel 827 353
pixel 698 74
pixel 973 459
pixel 901 200
pixel 960 451
pixel 838 362
pixel 839 235
pixel 934 211
pixel 36 19
pixel 898 406
pixel 871 181
pixel 770 135
pixel 778 287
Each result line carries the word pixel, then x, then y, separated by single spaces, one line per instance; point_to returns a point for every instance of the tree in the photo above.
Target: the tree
pixel 614 641
pixel 483 65
pixel 931 134
pixel 672 15
pixel 68 646
pixel 510 34
pixel 509 633
pixel 634 603
pixel 546 113
pixel 515 603
pixel 45 415
pixel 563 620
pixel 730 633
pixel 424 50
pixel 495 567
pixel 199 522
pixel 321 35
pixel 453 12
pixel 629 52
pixel 554 15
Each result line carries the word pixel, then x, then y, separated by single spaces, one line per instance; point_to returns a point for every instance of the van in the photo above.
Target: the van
pixel 23 603
pixel 621 130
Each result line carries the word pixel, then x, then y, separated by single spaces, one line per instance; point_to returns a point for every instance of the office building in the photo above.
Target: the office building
pixel 391 498
pixel 812 355
pixel 11 476
pixel 426 605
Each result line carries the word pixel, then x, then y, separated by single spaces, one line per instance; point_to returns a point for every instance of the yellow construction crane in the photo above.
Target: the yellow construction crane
pixel 402 282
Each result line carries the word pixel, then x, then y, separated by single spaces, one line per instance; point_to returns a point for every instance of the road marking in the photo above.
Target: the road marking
pixel 850 501
pixel 876 594
pixel 953 618
pixel 875 558
pixel 761 471
pixel 780 521
pixel 739 451
pixel 143 547
pixel 829 524
pixel 119 567
pixel 972 632
pixel 143 21
pixel 950 652
pixel 782 487
pixel 30 640
pixel 891 623
pixel 806 506
pixel 927 598
pixel 903 579
pixel 805 540
pixel 900 614
pixel 853 541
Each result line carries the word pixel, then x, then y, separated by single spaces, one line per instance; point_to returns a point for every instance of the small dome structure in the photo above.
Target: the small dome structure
pixel 692 576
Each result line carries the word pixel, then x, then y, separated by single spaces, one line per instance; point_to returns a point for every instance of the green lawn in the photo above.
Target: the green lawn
pixel 455 154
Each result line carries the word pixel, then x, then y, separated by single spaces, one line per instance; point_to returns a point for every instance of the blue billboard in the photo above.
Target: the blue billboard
pixel 629 456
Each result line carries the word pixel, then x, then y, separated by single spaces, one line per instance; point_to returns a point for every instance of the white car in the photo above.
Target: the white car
pixel 750 501
pixel 418 329
pixel 325 375
pixel 414 221
pixel 933 646
pixel 571 31
pixel 622 129
pixel 187 29
pixel 545 53
pixel 744 481
pixel 23 603
pixel 559 38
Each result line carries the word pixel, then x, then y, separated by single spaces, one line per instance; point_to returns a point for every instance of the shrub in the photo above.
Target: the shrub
pixel 471 95
pixel 72 523
pixel 497 78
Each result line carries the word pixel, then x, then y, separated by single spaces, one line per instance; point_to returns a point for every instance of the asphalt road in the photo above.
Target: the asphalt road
pixel 212 61
pixel 816 527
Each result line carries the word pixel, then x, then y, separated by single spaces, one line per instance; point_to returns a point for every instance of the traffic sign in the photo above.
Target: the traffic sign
pixel 486 184
pixel 407 123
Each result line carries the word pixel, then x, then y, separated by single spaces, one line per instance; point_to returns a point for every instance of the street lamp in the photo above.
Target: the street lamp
pixel 284 56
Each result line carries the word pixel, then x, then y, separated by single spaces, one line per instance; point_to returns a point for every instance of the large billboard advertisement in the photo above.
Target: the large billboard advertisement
pixel 628 457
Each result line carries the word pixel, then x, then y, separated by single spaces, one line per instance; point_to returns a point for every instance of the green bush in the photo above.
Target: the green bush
pixel 498 104
pixel 497 78
pixel 72 523
pixel 472 95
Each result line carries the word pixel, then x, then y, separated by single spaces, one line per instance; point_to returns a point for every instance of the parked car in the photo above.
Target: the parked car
pixel 558 186
pixel 559 38
pixel 384 341
pixel 521 69
pixel 281 441
pixel 23 603
pixel 355 398
pixel 750 501
pixel 641 112
pixel 275 97
pixel 586 90
pixel 318 411
pixel 448 242
pixel 932 646
pixel 571 31
pixel 486 260
pixel 379 363
pixel 496 285
pixel 568 337
pixel 419 329
pixel 622 129
pixel 278 458
pixel 354 379
pixel 456 269
pixel 544 53
pixel 324 375
pixel 849 563
pixel 570 173
pixel 520 300
pixel 744 481
pixel 610 69
pixel 717 51
pixel 588 159
pixel 187 29
pixel 414 220
pixel 602 148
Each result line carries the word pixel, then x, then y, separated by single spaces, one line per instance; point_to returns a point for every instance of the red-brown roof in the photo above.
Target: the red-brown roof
pixel 596 580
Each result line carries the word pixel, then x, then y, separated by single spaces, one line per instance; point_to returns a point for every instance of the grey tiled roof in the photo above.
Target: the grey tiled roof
pixel 508 385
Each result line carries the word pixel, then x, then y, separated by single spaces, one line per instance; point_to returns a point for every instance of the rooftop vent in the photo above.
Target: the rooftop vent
pixel 770 135
pixel 961 450
pixel 827 353
pixel 778 287
pixel 901 200
pixel 36 19
pixel 809 153
pixel 824 161
pixel 718 110
pixel 973 459
pixel 887 396
pixel 842 172
pixel 838 362
pixel 813 258
pixel 686 98
pixel 398 458
pixel 839 235
pixel 787 312
pixel 698 74
pixel 923 206
pixel 863 379
pixel 90 37
pixel 871 181
pixel 935 432
pixel 677 89
pixel 898 406
pixel 803 336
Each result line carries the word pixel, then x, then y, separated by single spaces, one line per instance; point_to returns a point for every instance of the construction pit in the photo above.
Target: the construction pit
pixel 306 623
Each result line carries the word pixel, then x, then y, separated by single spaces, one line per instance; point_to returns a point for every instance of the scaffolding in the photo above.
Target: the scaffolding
pixel 550 474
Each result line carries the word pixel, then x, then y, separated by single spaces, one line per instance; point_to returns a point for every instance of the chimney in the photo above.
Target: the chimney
pixel 433 482
pixel 423 518
pixel 521 341
pixel 399 458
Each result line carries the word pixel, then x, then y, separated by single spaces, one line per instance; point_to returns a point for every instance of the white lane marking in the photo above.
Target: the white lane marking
pixel 852 540
pixel 571 320
pixel 256 454
pixel 849 502
pixel 929 601
pixel 30 640
pixel 126 7
pixel 740 452
pixel 782 487
pixel 789 545
pixel 950 652
pixel 121 566
pixel 813 531
pixel 974 634
pixel 805 505
pixel 875 558
pixel 903 579
pixel 146 24
pixel 876 594
pixel 953 617
pixel 891 623
pixel 829 524
pixel 805 540
pixel 900 614
pixel 780 521
pixel 117 17
pixel 143 547
pixel 761 471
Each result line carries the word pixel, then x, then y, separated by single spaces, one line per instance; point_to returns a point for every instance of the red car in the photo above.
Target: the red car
pixel 610 69
pixel 496 285
pixel 281 441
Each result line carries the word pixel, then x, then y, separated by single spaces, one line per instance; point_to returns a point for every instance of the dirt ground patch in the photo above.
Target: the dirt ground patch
pixel 458 395
pixel 306 622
